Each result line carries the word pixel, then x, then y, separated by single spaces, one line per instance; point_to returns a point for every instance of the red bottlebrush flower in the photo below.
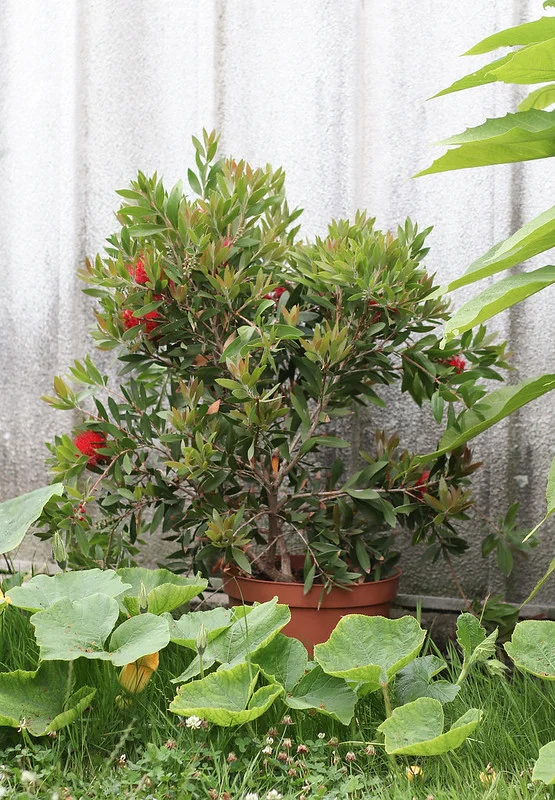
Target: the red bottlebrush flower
pixel 227 242
pixel 150 320
pixel 137 271
pixel 87 442
pixel 421 485
pixel 276 294
pixel 457 362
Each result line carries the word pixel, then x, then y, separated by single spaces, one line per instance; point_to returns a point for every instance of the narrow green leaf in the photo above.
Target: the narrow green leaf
pixel 532 64
pixel 539 98
pixel 481 77
pixel 141 231
pixel 194 182
pixel 530 32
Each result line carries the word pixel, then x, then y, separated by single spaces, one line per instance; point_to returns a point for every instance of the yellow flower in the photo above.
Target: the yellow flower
pixel 414 772
pixel 134 677
pixel 488 777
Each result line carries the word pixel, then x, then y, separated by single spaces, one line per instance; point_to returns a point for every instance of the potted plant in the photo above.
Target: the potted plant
pixel 241 350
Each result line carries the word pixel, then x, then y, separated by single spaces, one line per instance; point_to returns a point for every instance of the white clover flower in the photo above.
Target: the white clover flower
pixel 193 722
pixel 267 750
pixel 321 735
pixel 269 740
pixel 273 794
pixel 251 796
pixel 28 777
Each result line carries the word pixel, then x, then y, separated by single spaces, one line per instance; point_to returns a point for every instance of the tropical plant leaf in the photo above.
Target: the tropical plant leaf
pixel 370 650
pixel 532 64
pixel 18 514
pixel 416 729
pixel 539 98
pixel 496 298
pixel 284 659
pixel 42 591
pixel 137 637
pixel 415 680
pixel 528 33
pixel 544 768
pixel 491 409
pixel 226 697
pixel 532 647
pixel 166 591
pixel 41 701
pixel 184 631
pixel 480 77
pixel 329 695
pixel 523 136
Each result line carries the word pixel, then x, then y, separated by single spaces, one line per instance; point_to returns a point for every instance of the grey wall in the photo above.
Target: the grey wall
pixel 333 90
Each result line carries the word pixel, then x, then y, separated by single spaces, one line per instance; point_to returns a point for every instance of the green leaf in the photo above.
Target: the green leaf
pixel 329 695
pixel 491 409
pixel 146 229
pixel 363 494
pixel 540 583
pixel 370 650
pixel 42 591
pixel 415 680
pixel 496 298
pixel 416 729
pixel 194 182
pixel 534 237
pixel 529 33
pixel 284 659
pixel 481 77
pixel 470 634
pixel 18 514
pixel 324 441
pixel 539 98
pixel 137 637
pixel 532 647
pixel 41 701
pixel 165 590
pixel 184 631
pixel 524 136
pixel 544 768
pixel 550 497
pixel 226 697
pixel 532 64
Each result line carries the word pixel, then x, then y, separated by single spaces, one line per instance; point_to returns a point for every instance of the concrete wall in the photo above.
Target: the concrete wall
pixel 333 90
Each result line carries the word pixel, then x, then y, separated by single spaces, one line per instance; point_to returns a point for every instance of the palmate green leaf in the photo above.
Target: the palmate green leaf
pixel 523 136
pixel 532 647
pixel 42 591
pixel 284 659
pixel 41 701
pixel 226 697
pixel 532 64
pixel 528 33
pixel 496 298
pixel 18 514
pixel 416 729
pixel 534 237
pixel 544 768
pixel 370 650
pixel 184 630
pixel 539 98
pixel 330 696
pixel 491 409
pixel 166 591
pixel 415 680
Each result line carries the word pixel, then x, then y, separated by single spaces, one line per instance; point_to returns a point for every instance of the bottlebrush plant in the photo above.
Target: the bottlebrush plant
pixel 240 349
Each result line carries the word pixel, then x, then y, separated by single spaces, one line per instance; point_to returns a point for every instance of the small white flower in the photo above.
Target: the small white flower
pixel 251 796
pixel 193 722
pixel 273 794
pixel 269 740
pixel 3 791
pixel 321 735
pixel 267 750
pixel 28 777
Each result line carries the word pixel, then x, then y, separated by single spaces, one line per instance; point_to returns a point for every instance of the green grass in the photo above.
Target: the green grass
pixel 165 759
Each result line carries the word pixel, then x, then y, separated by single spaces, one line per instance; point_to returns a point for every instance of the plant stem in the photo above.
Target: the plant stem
pixel 387 701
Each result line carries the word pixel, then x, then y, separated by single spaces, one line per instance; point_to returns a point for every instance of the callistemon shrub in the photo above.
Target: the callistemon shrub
pixel 239 348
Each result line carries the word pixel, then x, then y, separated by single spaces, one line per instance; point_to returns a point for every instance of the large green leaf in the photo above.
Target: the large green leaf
pixel 532 647
pixel 528 33
pixel 329 695
pixel 184 631
pixel 416 729
pixel 539 98
pixel 284 659
pixel 18 514
pixel 544 768
pixel 491 409
pixel 370 650
pixel 165 590
pixel 534 237
pixel 524 136
pixel 496 298
pixel 480 77
pixel 253 628
pixel 137 637
pixel 415 680
pixel 42 591
pixel 41 701
pixel 532 64
pixel 226 697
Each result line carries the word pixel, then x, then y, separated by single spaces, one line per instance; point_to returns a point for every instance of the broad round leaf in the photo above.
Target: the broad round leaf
pixel 18 514
pixel 532 647
pixel 284 659
pixel 226 697
pixel 415 680
pixel 416 729
pixel 370 650
pixel 137 637
pixel 37 700
pixel 544 768
pixel 329 695
pixel 165 590
pixel 184 630
pixel 42 591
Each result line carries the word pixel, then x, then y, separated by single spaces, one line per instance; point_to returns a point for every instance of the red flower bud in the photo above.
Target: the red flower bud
pixel 87 442
pixel 130 320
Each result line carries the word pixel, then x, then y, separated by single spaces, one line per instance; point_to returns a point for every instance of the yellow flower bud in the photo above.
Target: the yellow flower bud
pixel 488 777
pixel 415 773
pixel 135 676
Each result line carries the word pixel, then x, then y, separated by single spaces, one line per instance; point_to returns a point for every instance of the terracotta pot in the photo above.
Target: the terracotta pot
pixel 309 623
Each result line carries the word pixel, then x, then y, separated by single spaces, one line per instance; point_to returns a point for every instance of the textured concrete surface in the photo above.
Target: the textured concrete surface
pixel 333 90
